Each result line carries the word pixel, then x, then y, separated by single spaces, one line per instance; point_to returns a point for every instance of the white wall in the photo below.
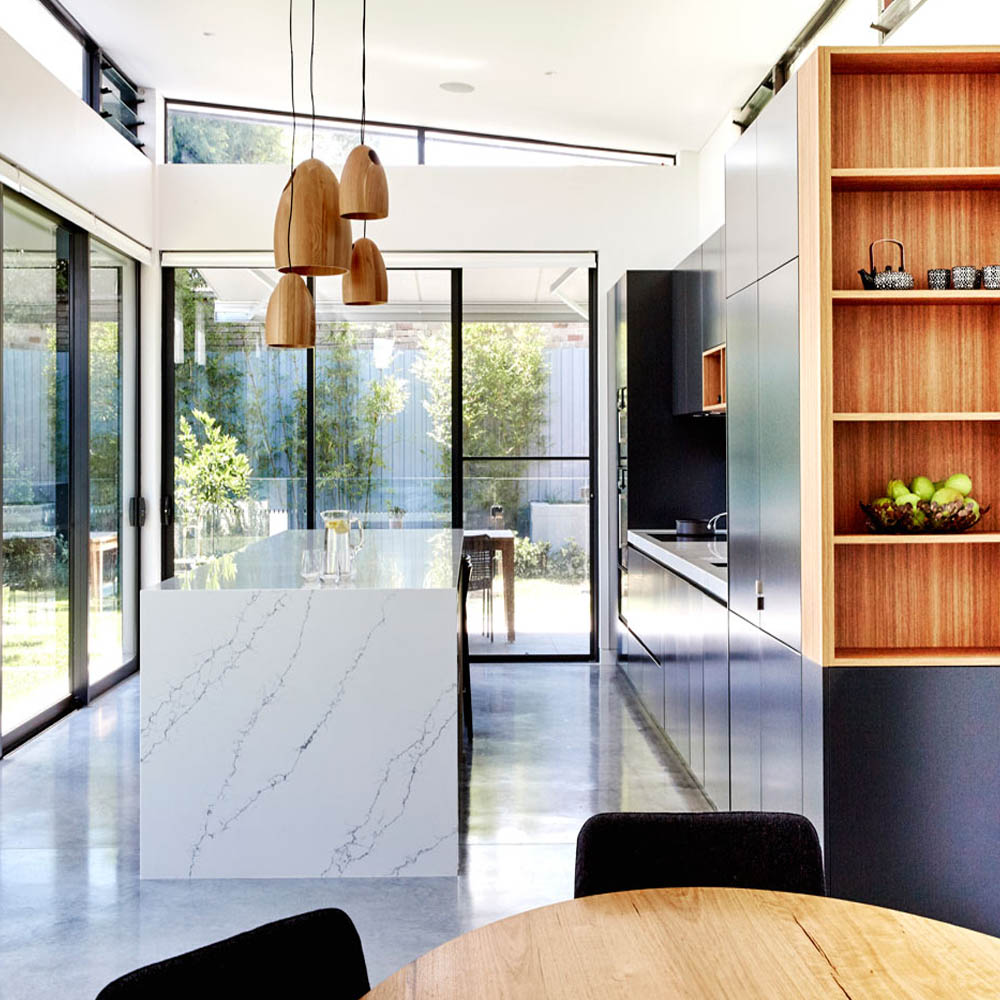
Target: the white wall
pixel 632 216
pixel 50 134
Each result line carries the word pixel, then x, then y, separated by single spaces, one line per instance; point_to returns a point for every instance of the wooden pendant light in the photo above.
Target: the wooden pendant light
pixel 364 191
pixel 312 199
pixel 366 283
pixel 345 243
pixel 291 317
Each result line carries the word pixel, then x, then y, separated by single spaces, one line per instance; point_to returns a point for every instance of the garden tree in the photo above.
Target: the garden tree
pixel 384 399
pixel 504 390
pixel 211 474
pixel 105 425
pixel 199 138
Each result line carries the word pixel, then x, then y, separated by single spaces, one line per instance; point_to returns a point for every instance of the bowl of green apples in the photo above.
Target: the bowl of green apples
pixel 925 505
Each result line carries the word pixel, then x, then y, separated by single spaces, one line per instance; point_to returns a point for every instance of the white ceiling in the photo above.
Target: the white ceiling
pixel 655 75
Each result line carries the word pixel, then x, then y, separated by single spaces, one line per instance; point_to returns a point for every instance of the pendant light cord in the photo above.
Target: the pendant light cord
pixel 312 92
pixel 364 63
pixel 291 166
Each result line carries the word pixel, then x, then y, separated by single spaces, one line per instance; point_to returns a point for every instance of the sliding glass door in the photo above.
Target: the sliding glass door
pixel 35 671
pixel 112 548
pixel 70 470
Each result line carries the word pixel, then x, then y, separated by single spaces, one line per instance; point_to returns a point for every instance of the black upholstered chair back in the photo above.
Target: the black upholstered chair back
pixel 287 958
pixel 745 850
pixel 464 677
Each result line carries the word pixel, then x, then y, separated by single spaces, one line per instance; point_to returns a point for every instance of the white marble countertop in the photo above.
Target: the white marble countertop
pixel 390 559
pixel 692 558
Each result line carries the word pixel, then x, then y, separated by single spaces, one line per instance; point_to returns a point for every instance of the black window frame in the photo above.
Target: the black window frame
pixel 458 458
pixel 98 70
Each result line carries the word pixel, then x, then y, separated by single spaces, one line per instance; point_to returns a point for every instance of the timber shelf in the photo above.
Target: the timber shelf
pixel 956 538
pixel 917 296
pixel 915 178
pixel 926 416
pixel 920 656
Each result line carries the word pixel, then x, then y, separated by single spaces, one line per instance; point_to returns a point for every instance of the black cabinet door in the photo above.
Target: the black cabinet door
pixel 780 506
pixel 676 665
pixel 777 180
pixel 743 451
pixel 687 335
pixel 741 212
pixel 713 290
pixel 744 714
pixel 696 682
pixel 715 676
pixel 780 726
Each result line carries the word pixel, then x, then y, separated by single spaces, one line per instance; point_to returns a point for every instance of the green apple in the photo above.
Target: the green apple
pixel 970 503
pixel 882 502
pixel 938 483
pixel 896 488
pixel 961 482
pixel 919 518
pixel 911 498
pixel 923 487
pixel 946 495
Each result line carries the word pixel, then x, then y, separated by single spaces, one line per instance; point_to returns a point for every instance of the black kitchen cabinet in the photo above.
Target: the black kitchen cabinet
pixel 780 570
pixel 657 451
pixel 687 334
pixel 777 181
pixel 741 212
pixel 715 687
pixel 763 438
pixel 744 714
pixel 765 720
pixel 713 290
pixel 744 459
pixel 677 656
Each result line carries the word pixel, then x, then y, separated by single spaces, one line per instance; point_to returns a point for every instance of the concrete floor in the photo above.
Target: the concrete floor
pixel 554 744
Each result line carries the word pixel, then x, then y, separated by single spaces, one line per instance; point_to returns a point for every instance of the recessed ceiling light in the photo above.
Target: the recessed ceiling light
pixel 550 72
pixel 457 87
pixel 209 34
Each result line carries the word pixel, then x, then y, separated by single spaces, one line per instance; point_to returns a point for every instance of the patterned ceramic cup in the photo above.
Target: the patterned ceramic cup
pixel 938 278
pixel 964 277
pixel 991 276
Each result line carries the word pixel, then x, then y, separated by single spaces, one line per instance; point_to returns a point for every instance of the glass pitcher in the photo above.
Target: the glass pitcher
pixel 339 544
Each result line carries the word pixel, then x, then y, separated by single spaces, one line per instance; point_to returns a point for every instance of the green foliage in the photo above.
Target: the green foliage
pixel 531 559
pixel 571 563
pixel 384 399
pixel 200 138
pixel 105 424
pixel 210 475
pixel 18 483
pixel 504 384
pixel 33 564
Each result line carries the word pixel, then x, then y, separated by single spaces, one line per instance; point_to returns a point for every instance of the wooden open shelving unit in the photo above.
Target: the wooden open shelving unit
pixel 713 380
pixel 900 143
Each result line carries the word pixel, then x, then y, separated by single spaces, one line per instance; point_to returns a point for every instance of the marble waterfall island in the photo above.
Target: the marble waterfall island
pixel 297 730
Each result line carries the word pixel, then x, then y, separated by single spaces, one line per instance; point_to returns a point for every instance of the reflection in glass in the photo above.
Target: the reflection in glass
pixel 35 673
pixel 240 424
pixel 112 548
pixel 383 403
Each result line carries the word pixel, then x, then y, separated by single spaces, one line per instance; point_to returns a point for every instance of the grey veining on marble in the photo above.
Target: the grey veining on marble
pixel 554 743
pixel 389 559
pixel 694 559
pixel 283 735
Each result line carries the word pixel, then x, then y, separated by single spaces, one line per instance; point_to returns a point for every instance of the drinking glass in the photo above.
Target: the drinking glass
pixel 312 565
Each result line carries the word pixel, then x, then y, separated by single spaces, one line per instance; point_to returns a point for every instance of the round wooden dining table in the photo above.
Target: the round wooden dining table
pixel 705 943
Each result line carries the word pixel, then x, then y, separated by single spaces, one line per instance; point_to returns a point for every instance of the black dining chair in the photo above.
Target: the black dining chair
pixel 286 958
pixel 464 678
pixel 479 549
pixel 743 850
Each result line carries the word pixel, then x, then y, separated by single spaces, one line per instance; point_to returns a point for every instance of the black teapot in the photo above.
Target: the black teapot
pixel 899 280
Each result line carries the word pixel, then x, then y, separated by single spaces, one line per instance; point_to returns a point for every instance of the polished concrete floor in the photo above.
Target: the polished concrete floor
pixel 554 744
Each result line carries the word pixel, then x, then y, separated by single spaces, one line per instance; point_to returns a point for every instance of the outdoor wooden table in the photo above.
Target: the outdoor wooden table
pixel 503 543
pixel 100 542
pixel 710 943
